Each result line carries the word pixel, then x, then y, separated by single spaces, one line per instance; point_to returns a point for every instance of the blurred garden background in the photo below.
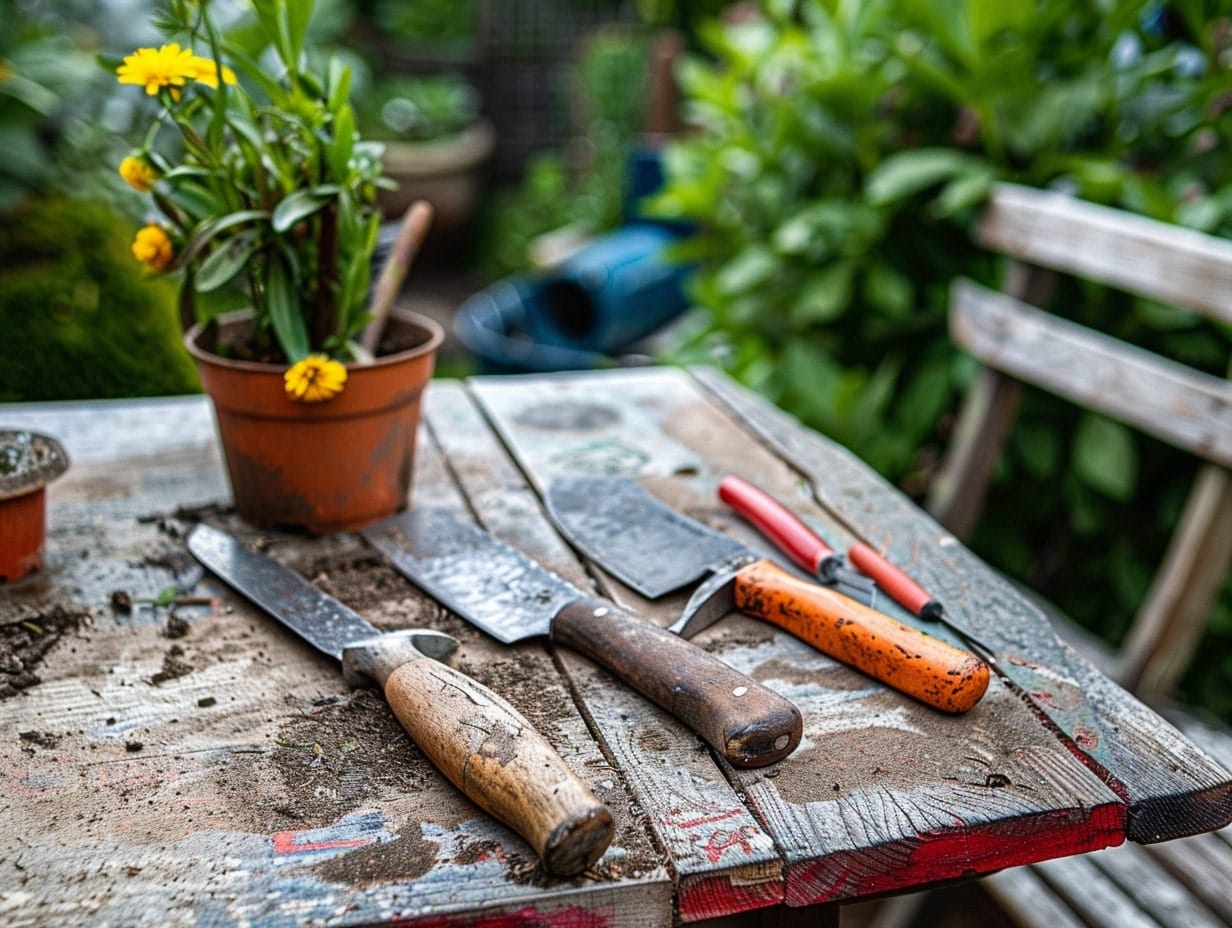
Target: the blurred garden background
pixel 828 158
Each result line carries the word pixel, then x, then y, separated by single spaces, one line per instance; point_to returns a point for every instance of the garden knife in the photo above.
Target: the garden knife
pixel 655 549
pixel 477 739
pixel 810 551
pixel 511 597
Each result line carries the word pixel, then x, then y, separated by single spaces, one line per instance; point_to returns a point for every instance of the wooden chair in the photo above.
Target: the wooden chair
pixel 1044 233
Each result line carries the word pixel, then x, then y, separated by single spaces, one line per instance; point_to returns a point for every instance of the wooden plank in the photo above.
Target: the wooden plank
pixel 1028 900
pixel 1153 889
pixel 1177 404
pixel 1172 788
pixel 1130 252
pixel 883 793
pixel 1203 864
pixel 1089 892
pixel 723 861
pixel 228 775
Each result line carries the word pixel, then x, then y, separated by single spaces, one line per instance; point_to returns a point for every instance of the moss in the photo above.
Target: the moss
pixel 79 317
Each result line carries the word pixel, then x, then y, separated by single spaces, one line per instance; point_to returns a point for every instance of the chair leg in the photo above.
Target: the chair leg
pixel 1169 625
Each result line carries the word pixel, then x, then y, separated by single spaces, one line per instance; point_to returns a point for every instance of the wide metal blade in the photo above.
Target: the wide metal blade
pixel 483 580
pixel 316 617
pixel 635 537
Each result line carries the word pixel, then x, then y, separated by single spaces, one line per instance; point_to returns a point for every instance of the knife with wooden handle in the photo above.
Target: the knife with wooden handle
pixel 478 740
pixel 511 597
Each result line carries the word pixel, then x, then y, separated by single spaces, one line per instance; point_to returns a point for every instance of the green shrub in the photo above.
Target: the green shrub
pixel 842 150
pixel 80 318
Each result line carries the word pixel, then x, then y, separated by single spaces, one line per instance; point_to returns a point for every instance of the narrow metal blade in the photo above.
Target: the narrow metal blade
pixel 316 617
pixel 483 580
pixel 635 537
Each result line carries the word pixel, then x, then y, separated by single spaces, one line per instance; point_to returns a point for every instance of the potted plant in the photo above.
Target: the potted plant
pixel 436 143
pixel 258 180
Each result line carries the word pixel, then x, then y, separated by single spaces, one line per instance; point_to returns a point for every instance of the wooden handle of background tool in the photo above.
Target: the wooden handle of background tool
pixel 495 756
pixel 928 669
pixel 776 522
pixel 411 234
pixel 747 722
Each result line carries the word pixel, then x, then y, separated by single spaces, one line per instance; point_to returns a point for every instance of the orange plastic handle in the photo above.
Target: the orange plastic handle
pixel 925 668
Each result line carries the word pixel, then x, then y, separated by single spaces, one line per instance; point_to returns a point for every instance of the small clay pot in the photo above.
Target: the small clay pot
pixel 28 462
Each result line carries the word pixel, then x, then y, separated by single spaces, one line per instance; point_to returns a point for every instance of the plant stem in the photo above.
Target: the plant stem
pixel 323 321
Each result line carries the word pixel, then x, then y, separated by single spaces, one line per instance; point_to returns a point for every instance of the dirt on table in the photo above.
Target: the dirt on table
pixel 344 752
pixel 26 640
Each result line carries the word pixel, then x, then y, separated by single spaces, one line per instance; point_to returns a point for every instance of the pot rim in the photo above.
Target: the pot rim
pixel 436 336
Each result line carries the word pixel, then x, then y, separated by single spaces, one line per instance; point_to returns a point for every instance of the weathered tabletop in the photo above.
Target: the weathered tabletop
pixel 193 763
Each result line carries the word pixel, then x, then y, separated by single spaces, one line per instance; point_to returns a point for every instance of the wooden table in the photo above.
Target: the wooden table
pixel 196 764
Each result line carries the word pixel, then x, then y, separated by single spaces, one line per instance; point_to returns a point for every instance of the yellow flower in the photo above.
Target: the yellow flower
pixel 205 71
pixel 315 379
pixel 153 247
pixel 168 66
pixel 139 173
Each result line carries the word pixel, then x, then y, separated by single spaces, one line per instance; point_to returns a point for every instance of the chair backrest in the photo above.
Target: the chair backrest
pixel 1046 233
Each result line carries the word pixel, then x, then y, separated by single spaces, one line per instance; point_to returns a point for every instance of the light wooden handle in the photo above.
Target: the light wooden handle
pixel 497 758
pixel 928 669
pixel 747 722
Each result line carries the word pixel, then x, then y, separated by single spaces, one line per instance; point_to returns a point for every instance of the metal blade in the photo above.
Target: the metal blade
pixel 483 580
pixel 316 617
pixel 639 540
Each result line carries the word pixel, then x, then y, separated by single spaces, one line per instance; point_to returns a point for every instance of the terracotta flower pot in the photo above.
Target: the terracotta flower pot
pixel 323 467
pixel 28 462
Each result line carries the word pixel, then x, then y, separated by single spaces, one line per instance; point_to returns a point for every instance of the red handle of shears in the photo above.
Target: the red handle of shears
pixel 897 584
pixel 796 539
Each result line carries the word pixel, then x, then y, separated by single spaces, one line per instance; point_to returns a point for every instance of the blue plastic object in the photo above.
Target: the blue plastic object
pixel 609 295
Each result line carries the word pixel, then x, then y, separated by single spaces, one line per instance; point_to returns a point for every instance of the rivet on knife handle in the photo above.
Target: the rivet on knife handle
pixel 747 722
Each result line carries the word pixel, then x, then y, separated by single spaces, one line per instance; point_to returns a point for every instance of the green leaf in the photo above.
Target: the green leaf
pixel 297 206
pixel 1105 457
pixel 284 311
pixel 343 143
pixel 339 84
pixel 963 192
pixel 298 14
pixel 889 290
pixel 226 261
pixel 825 296
pixel 752 266
pixel 910 172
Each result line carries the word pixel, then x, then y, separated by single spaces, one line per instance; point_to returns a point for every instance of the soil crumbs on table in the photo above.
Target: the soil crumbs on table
pixel 24 643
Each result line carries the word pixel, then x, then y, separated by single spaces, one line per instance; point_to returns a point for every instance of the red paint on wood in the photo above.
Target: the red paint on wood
pixel 528 917
pixel 713 897
pixel 286 842
pixel 935 858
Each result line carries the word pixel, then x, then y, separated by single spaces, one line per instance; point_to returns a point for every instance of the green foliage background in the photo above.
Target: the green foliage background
pixel 841 152
pixel 80 318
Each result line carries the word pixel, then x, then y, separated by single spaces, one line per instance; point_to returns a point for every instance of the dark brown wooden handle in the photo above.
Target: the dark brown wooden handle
pixel 495 756
pixel 928 669
pixel 748 723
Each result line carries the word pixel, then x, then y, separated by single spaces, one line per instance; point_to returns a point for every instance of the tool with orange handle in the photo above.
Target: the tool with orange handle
pixel 655 550
pixel 810 551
